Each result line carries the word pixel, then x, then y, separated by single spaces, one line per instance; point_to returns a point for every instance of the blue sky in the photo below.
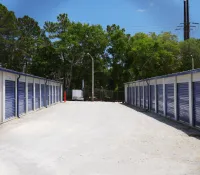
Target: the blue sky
pixel 133 15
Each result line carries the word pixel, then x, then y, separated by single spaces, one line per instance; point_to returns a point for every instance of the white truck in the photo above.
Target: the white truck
pixel 77 95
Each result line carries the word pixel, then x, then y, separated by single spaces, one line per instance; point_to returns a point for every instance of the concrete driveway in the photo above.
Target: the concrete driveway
pixel 83 138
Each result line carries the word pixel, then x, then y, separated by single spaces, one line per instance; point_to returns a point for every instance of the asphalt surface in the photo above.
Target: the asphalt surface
pixel 85 138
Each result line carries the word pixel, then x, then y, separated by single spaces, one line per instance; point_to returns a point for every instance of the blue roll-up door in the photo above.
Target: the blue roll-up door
pixel 183 102
pixel 130 91
pixel 129 95
pixel 196 103
pixel 59 93
pixel 152 97
pixel 30 96
pixel 37 96
pixel 47 94
pixel 22 97
pixel 137 95
pixel 9 99
pixel 146 97
pixel 54 94
pixel 169 93
pixel 50 94
pixel 141 96
pixel 42 95
pixel 133 95
pixel 160 99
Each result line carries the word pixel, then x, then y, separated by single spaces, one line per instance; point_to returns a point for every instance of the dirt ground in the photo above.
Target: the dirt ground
pixel 85 138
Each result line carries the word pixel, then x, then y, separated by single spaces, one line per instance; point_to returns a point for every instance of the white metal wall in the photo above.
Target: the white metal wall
pixel 189 78
pixel 13 77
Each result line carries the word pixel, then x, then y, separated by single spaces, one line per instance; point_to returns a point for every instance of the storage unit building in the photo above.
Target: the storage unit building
pixel 130 91
pixel 176 96
pixel 30 96
pixel 141 96
pixel 54 94
pixel 169 100
pixel 152 97
pixel 196 103
pixel 47 95
pixel 10 100
pixel 146 97
pixel 37 96
pixel 57 95
pixel 42 95
pixel 21 97
pixel 183 102
pixel 137 96
pixel 50 91
pixel 21 93
pixel 160 106
pixel 133 95
pixel 128 95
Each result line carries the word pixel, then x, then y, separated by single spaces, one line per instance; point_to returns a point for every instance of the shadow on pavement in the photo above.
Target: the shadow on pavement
pixel 190 131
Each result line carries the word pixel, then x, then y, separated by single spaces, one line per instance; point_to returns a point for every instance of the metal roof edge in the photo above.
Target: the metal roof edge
pixel 168 75
pixel 27 75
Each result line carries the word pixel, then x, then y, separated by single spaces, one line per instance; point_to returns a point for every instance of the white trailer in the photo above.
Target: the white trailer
pixel 77 95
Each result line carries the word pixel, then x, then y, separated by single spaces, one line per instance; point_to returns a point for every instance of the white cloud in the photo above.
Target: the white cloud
pixel 141 10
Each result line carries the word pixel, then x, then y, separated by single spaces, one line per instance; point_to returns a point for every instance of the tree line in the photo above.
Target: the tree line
pixel 59 51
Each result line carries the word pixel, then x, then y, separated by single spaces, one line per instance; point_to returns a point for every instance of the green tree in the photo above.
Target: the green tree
pixel 72 42
pixel 117 51
pixel 189 49
pixel 27 42
pixel 8 32
pixel 46 63
pixel 59 51
pixel 153 55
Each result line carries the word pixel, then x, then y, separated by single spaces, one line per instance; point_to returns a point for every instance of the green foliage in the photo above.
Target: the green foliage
pixel 190 49
pixel 8 25
pixel 59 51
pixel 117 51
pixel 73 42
pixel 153 55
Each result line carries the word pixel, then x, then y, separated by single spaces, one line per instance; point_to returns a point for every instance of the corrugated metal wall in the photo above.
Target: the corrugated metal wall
pixel 22 97
pixel 183 102
pixel 160 106
pixel 141 96
pixel 9 99
pixel 175 96
pixel 152 97
pixel 133 95
pixel 169 100
pixel 196 103
pixel 146 97
pixel 21 93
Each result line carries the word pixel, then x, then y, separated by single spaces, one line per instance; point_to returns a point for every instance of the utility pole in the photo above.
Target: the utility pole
pixel 186 20
pixel 92 76
pixel 186 25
